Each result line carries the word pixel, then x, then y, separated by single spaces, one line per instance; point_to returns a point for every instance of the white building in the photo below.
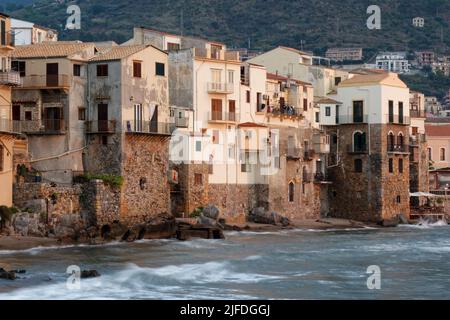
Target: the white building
pixel 418 22
pixel 393 62
pixel 26 33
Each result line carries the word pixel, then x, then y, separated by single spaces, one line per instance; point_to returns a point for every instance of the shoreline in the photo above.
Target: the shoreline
pixel 22 243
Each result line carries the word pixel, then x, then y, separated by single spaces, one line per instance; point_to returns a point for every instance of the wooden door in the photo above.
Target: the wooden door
pixel 216 109
pixel 52 74
pixel 16 113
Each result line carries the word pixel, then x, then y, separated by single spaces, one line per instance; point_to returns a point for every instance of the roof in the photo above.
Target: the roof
pixel 251 125
pixel 180 36
pixel 294 50
pixel 273 76
pixel 437 131
pixel 366 71
pixel 326 100
pixel 50 49
pixel 388 78
pixel 4 15
pixel 438 120
pixel 118 52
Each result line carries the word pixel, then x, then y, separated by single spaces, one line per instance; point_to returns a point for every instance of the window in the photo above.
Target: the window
pixel 400 140
pixel 305 104
pixel 400 165
pixel 337 80
pixel 359 142
pixel 77 70
pixel 137 69
pixel 3 33
pixel 104 140
pixel 28 115
pixel 358 166
pixel 1 158
pixel 102 70
pixel 327 111
pixel 400 112
pixel 399 199
pixel 173 46
pixel 82 114
pixel 391 142
pixel 198 146
pixel 248 96
pixel 391 165
pixel 391 111
pixel 317 117
pixel 259 102
pixel 291 192
pixel 160 69
pixel 415 131
pixel 19 66
pixel 430 154
pixel 442 154
pixel 358 111
pixel 216 109
pixel 198 179
pixel 230 76
pixel 215 136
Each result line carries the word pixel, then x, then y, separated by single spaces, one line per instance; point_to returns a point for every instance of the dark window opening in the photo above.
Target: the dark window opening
pixel 198 179
pixel 291 192
pixel 102 70
pixel 400 165
pixel 104 140
pixel 160 69
pixel 28 115
pixel 358 111
pixel 137 69
pixel 391 165
pixel 358 166
pixel 77 70
pixel 19 66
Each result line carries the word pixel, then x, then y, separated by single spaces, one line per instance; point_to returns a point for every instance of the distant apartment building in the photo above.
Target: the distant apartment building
pixel 26 33
pixel 418 22
pixel 8 80
pixel 432 105
pixel 441 67
pixel 438 145
pixel 369 159
pixel 393 62
pixel 344 54
pixel 425 58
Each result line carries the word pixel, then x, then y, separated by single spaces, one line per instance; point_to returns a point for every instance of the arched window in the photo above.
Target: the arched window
pixel 291 191
pixel 400 140
pixel 359 141
pixel 430 154
pixel 442 154
pixel 391 141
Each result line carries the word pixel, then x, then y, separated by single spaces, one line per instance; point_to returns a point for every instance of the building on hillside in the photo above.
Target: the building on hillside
pixel 425 58
pixel 26 33
pixel 418 22
pixel 418 160
pixel 297 64
pixel 8 80
pixel 393 62
pixel 128 128
pixel 369 159
pixel 344 54
pixel 441 67
pixel 438 137
pixel 49 106
pixel 432 106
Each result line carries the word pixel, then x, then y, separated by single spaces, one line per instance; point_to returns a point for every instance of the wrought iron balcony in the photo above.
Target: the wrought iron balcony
pixel 101 126
pixel 223 117
pixel 182 122
pixel 294 153
pixel 46 81
pixel 398 148
pixel 43 126
pixel 10 78
pixel 357 149
pixel 147 127
pixel 396 119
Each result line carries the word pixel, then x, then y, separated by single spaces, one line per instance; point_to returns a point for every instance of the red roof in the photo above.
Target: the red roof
pixel 438 131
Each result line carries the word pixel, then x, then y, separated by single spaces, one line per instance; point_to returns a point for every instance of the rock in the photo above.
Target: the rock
pixel 36 205
pixel 389 223
pixel 20 271
pixel 402 219
pixel 113 231
pixel 163 226
pixel 8 275
pixel 86 274
pixel 27 224
pixel 211 211
pixel 206 221
pixel 260 215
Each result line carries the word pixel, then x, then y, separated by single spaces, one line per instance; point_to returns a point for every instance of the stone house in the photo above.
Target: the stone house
pixel 128 129
pixel 8 80
pixel 50 107
pixel 369 149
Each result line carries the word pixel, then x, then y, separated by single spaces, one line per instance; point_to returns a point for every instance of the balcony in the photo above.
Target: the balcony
pixel 220 87
pixel 398 148
pixel 6 126
pixel 357 149
pixel 10 78
pixel 285 112
pixel 46 82
pixel 182 122
pixel 309 155
pixel 147 127
pixel 101 126
pixel 294 154
pixel 223 55
pixel 350 119
pixel 40 127
pixel 417 139
pixel 396 119
pixel 320 177
pixel 223 117
pixel 417 114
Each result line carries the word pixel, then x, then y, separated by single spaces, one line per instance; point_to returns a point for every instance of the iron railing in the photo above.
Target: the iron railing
pixel 148 127
pixel 101 126
pixel 223 116
pixel 10 78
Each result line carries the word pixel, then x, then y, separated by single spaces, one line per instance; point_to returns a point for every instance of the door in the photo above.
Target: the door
pixel 138 117
pixel 102 117
pixel 232 110
pixel 52 74
pixel 358 112
pixel 154 121
pixel 216 109
pixel 16 113
pixel 53 119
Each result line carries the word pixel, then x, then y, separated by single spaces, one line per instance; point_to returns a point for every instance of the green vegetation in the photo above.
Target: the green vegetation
pixel 6 215
pixel 109 179
pixel 196 213
pixel 429 83
pixel 317 25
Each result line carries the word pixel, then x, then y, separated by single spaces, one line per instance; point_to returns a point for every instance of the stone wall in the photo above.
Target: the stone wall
pixel 145 169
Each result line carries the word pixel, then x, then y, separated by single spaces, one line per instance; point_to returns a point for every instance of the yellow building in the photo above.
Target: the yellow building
pixel 8 79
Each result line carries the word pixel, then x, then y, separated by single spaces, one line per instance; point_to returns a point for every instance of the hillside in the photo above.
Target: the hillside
pixel 260 23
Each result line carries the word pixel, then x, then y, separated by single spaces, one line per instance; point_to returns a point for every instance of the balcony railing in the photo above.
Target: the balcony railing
pixel 417 114
pixel 216 54
pixel 220 87
pixel 294 153
pixel 101 126
pixel 43 126
pixel 286 111
pixel 10 78
pixel 398 148
pixel 182 122
pixel 147 127
pixel 223 117
pixel 350 119
pixel 396 119
pixel 6 125
pixel 46 81
pixel 357 149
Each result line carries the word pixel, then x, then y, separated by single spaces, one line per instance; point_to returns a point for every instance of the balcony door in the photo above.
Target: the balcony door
pixel 16 112
pixel 53 119
pixel 216 109
pixel 358 111
pixel 138 117
pixel 52 74
pixel 154 120
pixel 102 117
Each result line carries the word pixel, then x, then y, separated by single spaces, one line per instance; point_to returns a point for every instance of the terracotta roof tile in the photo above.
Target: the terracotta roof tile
pixel 118 52
pixel 50 49
pixel 438 131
